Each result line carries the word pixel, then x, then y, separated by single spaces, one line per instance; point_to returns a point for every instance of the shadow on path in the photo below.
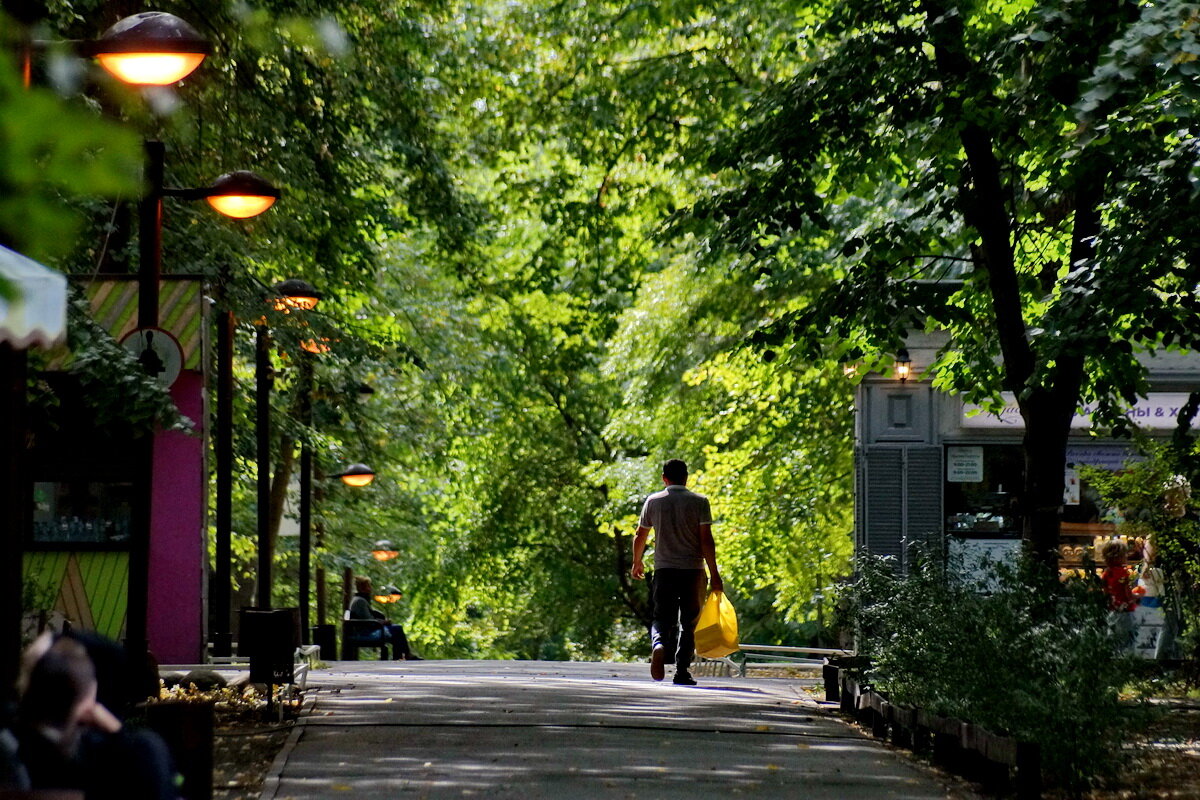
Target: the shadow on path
pixel 443 729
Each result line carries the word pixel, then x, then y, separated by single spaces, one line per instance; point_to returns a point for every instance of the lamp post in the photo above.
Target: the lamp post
pixel 306 388
pixel 147 49
pixel 159 49
pixel 290 294
pixel 258 195
pixel 235 195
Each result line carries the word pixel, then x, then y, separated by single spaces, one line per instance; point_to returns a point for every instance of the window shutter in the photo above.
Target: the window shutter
pixel 883 511
pixel 899 499
pixel 923 495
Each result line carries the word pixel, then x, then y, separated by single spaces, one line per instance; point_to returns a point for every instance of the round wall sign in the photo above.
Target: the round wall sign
pixel 157 351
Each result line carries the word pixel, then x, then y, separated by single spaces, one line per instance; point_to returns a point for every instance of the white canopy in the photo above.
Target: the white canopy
pixel 38 314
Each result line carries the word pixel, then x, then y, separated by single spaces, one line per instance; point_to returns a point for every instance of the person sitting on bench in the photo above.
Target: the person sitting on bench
pixel 388 632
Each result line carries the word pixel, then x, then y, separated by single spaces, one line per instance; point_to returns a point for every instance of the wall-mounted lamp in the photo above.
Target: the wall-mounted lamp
pixel 903 364
pixel 384 551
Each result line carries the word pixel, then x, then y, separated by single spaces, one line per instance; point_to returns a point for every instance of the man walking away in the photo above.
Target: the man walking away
pixel 683 545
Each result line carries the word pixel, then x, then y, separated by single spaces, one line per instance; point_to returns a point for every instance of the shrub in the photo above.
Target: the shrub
pixel 1036 663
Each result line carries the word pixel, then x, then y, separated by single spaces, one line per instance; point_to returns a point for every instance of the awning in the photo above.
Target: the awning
pixel 38 314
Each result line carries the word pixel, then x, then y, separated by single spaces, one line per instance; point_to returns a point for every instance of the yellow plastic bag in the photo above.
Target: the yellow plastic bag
pixel 717 630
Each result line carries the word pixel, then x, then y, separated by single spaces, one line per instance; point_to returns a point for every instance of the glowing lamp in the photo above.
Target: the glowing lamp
pixel 903 365
pixel 241 194
pixel 151 49
pixel 295 293
pixel 316 348
pixel 384 551
pixel 390 595
pixel 357 475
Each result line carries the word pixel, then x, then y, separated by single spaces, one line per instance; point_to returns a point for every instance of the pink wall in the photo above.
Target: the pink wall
pixel 177 558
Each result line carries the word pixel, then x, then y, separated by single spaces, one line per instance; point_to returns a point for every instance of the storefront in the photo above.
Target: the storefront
pixel 932 469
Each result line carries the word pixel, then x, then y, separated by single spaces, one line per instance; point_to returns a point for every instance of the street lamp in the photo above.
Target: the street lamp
pixel 389 594
pixel 223 194
pixel 384 551
pixel 296 293
pixel 158 49
pixel 150 49
pixel 289 294
pixel 356 475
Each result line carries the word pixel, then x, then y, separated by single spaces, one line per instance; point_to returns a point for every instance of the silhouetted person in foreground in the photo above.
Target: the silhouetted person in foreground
pixel 69 740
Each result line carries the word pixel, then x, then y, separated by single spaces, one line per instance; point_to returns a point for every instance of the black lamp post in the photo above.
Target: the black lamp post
pixel 234 194
pixel 241 194
pixel 290 294
pixel 306 464
pixel 159 49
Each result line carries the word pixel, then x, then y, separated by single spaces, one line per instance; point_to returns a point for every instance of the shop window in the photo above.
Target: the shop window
pixel 982 483
pixel 81 512
pixel 1086 521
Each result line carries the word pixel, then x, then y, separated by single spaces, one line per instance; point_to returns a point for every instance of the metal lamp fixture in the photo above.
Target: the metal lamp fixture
pixel 903 365
pixel 151 49
pixel 356 475
pixel 241 194
pixel 384 551
pixel 296 293
pixel 390 594
pixel 315 346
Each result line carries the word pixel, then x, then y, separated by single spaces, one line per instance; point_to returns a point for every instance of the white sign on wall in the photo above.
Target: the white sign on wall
pixel 1158 410
pixel 1072 489
pixel 964 464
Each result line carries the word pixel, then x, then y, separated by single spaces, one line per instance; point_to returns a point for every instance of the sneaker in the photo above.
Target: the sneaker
pixel 683 678
pixel 657 657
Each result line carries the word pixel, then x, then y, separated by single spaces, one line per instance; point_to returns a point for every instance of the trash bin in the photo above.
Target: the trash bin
pixel 269 637
pixel 325 637
pixel 187 729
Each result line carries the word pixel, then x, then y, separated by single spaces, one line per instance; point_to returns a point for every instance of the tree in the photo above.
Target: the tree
pixel 1031 160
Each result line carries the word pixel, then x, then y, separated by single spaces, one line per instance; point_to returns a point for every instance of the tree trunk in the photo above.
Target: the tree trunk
pixel 1047 426
pixel 279 486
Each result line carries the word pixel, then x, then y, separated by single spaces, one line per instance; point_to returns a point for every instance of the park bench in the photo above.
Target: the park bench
pixel 750 656
pixel 360 633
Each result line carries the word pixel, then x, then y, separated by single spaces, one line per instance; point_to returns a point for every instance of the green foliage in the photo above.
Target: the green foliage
pixel 53 149
pixel 1041 666
pixel 478 190
pixel 1020 175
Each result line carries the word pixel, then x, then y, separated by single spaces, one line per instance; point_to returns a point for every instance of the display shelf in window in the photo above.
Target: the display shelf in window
pixel 1080 546
pixel 81 514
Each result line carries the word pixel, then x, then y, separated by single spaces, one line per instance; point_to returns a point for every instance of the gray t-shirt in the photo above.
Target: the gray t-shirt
pixel 676 514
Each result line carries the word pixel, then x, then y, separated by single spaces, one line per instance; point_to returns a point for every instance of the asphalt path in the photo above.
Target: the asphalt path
pixel 566 730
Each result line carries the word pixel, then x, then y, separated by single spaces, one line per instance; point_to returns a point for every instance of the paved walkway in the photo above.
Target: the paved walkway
pixel 510 729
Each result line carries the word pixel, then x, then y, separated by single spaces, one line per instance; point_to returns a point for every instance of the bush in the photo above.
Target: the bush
pixel 1038 664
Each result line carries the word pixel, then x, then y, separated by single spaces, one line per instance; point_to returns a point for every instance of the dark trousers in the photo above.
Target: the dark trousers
pixel 392 634
pixel 678 595
pixel 399 641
